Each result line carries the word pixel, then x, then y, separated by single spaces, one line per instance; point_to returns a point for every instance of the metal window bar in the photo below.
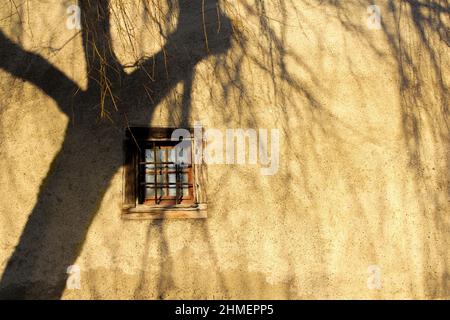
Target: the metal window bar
pixel 179 171
pixel 177 180
pixel 164 184
pixel 156 176
pixel 177 188
pixel 161 171
pixel 166 157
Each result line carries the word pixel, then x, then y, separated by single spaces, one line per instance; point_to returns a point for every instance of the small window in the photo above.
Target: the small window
pixel 161 179
pixel 164 177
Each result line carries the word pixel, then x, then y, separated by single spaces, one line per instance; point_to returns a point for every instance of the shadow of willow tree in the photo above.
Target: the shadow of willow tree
pixel 424 90
pixel 263 49
pixel 70 194
pixel 419 40
pixel 82 172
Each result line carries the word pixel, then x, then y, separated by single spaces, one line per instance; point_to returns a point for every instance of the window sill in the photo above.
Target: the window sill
pixel 143 212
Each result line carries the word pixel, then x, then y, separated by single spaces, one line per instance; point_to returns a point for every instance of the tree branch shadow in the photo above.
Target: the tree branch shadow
pixel 79 175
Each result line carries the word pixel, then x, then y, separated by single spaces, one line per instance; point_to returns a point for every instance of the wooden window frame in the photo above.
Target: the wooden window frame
pixel 132 209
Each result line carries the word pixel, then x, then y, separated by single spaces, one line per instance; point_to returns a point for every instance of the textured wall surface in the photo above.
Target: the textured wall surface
pixel 363 178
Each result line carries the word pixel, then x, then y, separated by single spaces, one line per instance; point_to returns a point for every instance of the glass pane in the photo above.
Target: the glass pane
pixel 161 178
pixel 161 155
pixel 172 188
pixel 185 180
pixel 161 189
pixel 180 155
pixel 149 192
pixel 161 192
pixel 149 178
pixel 171 158
pixel 149 157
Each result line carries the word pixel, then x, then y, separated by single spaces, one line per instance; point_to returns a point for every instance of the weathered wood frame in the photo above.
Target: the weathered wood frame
pixel 131 209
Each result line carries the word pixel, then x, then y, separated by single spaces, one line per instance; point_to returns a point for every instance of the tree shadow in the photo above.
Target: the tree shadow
pixel 49 231
pixel 79 175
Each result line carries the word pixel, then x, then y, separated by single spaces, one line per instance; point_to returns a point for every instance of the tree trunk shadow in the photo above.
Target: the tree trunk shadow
pixel 91 154
pixel 56 228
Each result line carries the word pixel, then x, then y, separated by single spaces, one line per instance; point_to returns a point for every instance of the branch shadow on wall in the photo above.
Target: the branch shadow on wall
pixel 70 195
pixel 91 154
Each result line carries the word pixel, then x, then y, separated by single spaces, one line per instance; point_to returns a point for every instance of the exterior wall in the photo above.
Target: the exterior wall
pixel 364 160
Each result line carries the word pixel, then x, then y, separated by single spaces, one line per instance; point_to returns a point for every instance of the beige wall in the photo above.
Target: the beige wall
pixel 364 159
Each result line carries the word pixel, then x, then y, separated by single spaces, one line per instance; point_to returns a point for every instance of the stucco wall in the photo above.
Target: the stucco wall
pixel 364 159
